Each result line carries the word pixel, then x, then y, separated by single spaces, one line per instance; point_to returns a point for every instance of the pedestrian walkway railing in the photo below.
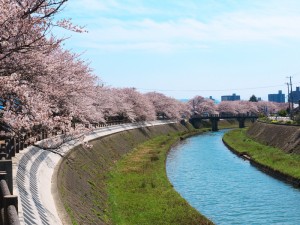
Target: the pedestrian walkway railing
pixel 9 202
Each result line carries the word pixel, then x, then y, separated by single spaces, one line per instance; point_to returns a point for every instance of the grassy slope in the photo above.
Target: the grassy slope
pixel 83 178
pixel 272 157
pixel 82 175
pixel 140 192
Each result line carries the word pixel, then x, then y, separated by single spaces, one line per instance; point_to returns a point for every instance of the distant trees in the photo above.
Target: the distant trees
pixel 253 99
pixel 199 105
pixel 166 106
pixel 236 107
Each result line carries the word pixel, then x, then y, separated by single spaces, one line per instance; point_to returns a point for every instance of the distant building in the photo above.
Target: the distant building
pixel 295 95
pixel 232 97
pixel 215 100
pixel 258 99
pixel 276 97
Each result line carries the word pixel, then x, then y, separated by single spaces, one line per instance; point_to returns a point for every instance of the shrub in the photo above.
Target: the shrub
pixel 282 113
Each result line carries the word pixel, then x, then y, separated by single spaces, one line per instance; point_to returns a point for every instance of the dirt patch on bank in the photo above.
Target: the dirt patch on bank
pixel 82 174
pixel 284 137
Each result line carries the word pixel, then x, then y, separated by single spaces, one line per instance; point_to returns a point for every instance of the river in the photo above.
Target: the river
pixel 227 189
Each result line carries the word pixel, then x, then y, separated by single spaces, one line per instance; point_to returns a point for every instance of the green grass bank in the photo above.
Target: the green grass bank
pixel 273 161
pixel 97 186
pixel 140 192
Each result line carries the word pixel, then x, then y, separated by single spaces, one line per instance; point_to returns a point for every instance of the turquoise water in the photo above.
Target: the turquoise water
pixel 227 189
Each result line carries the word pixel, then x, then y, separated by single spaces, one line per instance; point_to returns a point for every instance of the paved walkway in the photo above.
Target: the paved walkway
pixel 33 169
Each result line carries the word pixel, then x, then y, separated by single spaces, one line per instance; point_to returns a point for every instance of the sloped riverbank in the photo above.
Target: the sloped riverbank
pixel 271 160
pixel 285 137
pixel 82 177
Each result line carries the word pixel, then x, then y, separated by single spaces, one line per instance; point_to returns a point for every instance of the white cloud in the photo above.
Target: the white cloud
pixel 150 33
pixel 161 47
pixel 90 5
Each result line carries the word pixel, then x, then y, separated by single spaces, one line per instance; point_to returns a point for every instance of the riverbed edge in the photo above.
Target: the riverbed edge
pixel 264 168
pixel 177 138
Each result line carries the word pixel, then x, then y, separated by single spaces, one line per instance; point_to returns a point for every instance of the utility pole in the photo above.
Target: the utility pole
pixel 291 97
pixel 289 101
pixel 292 93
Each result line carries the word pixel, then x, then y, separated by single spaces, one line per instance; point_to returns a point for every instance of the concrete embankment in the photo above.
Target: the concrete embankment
pixel 33 169
pixel 82 174
pixel 284 137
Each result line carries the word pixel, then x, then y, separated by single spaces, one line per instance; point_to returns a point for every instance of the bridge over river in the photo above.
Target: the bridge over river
pixel 215 118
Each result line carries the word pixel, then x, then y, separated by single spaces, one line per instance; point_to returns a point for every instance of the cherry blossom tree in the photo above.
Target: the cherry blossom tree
pixel 166 106
pixel 137 106
pixel 245 107
pixel 237 107
pixel 266 108
pixel 26 47
pixel 282 106
pixel 25 25
pixel 226 107
pixel 199 105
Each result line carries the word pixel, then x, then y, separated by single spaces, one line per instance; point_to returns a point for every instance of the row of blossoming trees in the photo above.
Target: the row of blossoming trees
pixel 44 87
pixel 201 105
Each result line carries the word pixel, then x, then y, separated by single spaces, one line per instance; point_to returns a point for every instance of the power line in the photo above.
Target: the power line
pixel 199 90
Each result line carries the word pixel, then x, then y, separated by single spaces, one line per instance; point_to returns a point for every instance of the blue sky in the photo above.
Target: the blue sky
pixel 192 47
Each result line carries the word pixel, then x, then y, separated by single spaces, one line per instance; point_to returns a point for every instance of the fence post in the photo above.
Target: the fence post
pixel 18 145
pixel 2 156
pixel 13 147
pixel 2 145
pixel 6 165
pixel 7 147
pixel 24 141
pixel 3 175
pixel 21 143
pixel 11 209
